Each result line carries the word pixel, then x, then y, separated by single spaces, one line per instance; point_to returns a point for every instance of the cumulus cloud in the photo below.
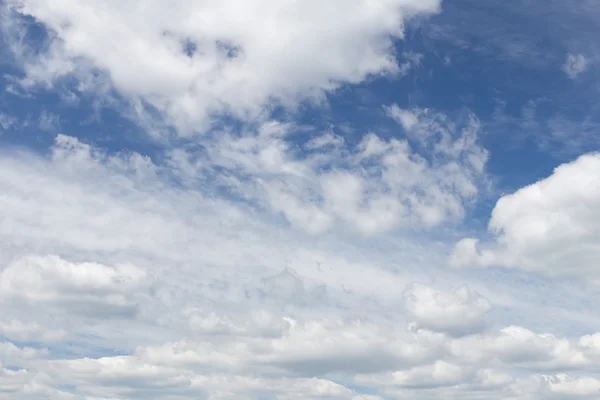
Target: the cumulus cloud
pixel 438 374
pixel 13 355
pixel 97 200
pixel 551 227
pixel 459 312
pixel 303 347
pixel 83 288
pixel 115 377
pixel 193 60
pixel 379 185
pixel 227 306
pixel 29 385
pixel 212 64
pixel 574 65
pixel 408 119
pixel 392 361
pixel 558 386
pixel 520 346
pixel 262 260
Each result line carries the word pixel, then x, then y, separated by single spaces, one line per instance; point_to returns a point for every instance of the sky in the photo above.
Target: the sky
pixel 299 199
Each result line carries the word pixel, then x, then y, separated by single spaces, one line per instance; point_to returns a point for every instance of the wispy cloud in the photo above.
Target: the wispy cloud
pixel 574 65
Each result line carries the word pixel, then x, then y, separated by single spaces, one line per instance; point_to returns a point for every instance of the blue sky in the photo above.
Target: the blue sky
pixel 253 199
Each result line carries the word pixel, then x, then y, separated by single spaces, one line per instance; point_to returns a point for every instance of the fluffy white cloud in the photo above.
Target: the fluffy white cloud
pixel 591 343
pixel 574 65
pixel 191 274
pixel 10 354
pixel 559 386
pixel 551 227
pixel 306 348
pixel 82 203
pixel 116 377
pixel 87 288
pixel 228 305
pixel 396 362
pixel 440 373
pixel 191 60
pixel 376 186
pixel 565 385
pixel 408 119
pixel 520 346
pixel 459 312
pixel 27 385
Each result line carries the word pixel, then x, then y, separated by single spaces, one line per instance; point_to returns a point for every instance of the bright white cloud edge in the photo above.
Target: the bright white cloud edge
pixel 549 227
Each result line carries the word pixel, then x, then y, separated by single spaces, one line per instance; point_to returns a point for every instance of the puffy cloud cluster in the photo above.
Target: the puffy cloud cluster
pixel 324 359
pixel 205 299
pixel 85 288
pixel 551 226
pixel 192 60
pixel 373 186
pixel 125 277
pixel 459 312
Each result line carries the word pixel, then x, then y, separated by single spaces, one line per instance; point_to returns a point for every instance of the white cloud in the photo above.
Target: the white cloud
pixel 28 385
pixel 87 288
pixel 258 365
pixel 551 227
pixel 6 122
pixel 287 285
pixel 29 332
pixel 559 386
pixel 117 377
pixel 49 121
pixel 574 65
pixel 408 119
pixel 238 65
pixel 519 346
pixel 305 348
pixel 379 185
pixel 193 60
pixel 10 354
pixel 565 385
pixel 438 374
pixel 182 227
pixel 591 343
pixel 181 277
pixel 459 312
pixel 240 305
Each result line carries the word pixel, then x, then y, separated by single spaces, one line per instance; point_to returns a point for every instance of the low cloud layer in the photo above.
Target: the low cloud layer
pixel 243 326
